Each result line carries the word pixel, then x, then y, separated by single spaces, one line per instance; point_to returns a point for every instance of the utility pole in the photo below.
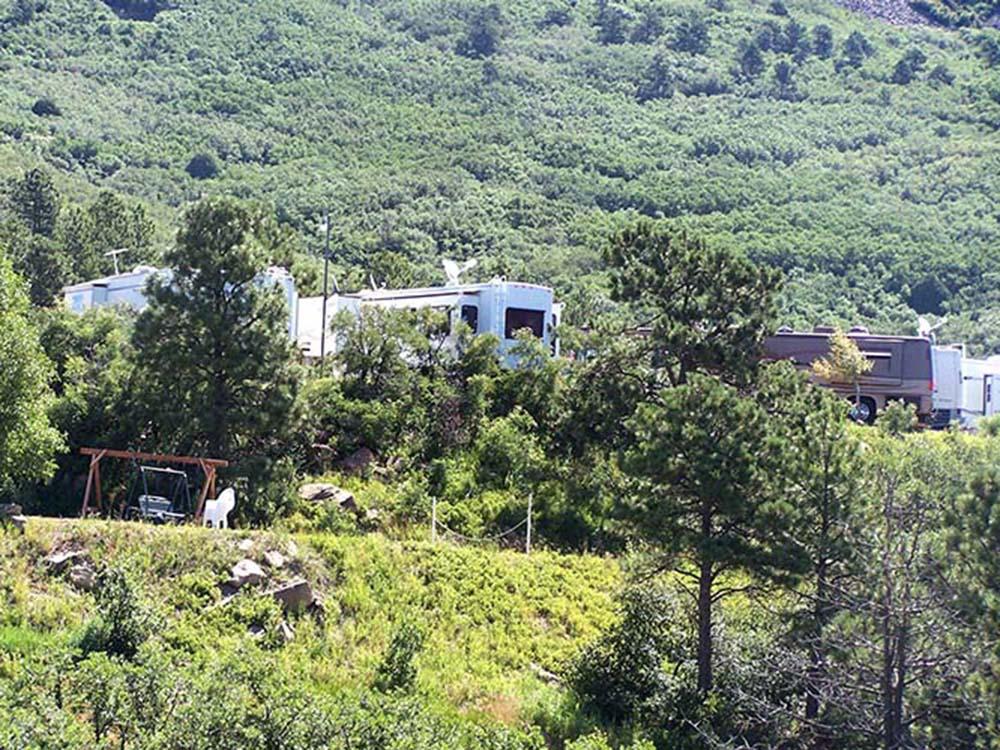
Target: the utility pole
pixel 326 282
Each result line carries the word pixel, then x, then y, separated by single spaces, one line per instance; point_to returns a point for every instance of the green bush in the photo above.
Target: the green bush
pixel 397 672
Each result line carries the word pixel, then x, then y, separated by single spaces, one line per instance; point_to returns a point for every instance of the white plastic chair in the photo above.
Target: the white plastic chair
pixel 217 511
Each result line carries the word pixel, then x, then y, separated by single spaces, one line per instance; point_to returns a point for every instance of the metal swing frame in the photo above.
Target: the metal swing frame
pixel 157 508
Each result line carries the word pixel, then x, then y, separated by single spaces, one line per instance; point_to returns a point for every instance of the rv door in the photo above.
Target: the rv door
pixel 991 395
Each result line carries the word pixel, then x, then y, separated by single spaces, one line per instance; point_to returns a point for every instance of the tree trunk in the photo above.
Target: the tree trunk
pixel 705 627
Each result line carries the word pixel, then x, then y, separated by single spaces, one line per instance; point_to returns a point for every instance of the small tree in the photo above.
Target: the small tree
pixel 483 37
pixel 28 442
pixel 750 62
pixel 822 41
pixel 844 365
pixel 703 497
pixel 691 36
pixel 707 308
pixel 35 200
pixel 202 166
pixel 212 348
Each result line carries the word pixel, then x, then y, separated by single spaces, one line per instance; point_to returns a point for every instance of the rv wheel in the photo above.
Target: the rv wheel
pixel 864 411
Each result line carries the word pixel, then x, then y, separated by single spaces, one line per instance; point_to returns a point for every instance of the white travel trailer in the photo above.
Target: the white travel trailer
pixel 499 307
pixel 129 290
pixel 980 389
pixel 947 395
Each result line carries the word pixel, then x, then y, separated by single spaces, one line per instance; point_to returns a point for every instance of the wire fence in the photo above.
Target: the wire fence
pixel 439 530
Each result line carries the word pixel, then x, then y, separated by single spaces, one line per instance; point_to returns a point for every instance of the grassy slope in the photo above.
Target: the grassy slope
pixel 863 186
pixel 494 620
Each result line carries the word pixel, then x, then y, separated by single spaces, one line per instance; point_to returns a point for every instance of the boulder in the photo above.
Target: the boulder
pixel 19 522
pixel 57 562
pixel 83 577
pixel 321 493
pixel 245 572
pixel 245 545
pixel 295 596
pixel 274 559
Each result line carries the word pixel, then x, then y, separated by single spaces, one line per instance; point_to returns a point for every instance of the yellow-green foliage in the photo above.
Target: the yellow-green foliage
pixel 496 621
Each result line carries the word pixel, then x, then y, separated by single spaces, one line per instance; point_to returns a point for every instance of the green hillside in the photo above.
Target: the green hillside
pixel 497 627
pixel 867 168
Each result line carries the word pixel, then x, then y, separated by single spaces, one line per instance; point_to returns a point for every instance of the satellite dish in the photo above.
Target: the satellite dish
pixel 925 329
pixel 455 270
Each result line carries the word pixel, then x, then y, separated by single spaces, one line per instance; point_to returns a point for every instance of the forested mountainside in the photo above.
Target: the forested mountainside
pixel 862 159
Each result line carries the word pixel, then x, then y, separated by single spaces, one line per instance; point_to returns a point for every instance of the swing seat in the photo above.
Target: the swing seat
pixel 156 508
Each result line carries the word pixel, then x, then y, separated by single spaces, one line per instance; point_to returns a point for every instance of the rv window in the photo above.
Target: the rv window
pixel 518 318
pixel 470 316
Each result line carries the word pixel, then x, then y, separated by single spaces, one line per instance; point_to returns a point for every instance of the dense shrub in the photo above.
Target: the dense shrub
pixel 202 166
pixel 46 107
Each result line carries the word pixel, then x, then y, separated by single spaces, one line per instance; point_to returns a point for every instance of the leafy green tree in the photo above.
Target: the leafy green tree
pixel 34 198
pixel 397 672
pixel 703 497
pixel 28 441
pixel 115 225
pixel 941 74
pixel 658 81
pixel 707 309
pixel 750 62
pixel 822 41
pixel 856 50
pixel 902 73
pixel 820 476
pixel 202 166
pixel 973 523
pixel 212 347
pixel 691 36
pixel 611 22
pixel 95 400
pixel 622 675
pixel 650 26
pixel 844 365
pixel 484 34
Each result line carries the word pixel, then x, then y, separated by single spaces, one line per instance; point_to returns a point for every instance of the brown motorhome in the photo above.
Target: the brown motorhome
pixel 901 366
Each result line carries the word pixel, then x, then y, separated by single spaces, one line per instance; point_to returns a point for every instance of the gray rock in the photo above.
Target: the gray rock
pixel 19 522
pixel 274 559
pixel 245 545
pixel 322 493
pixel 295 596
pixel 247 572
pixel 57 562
pixel 83 577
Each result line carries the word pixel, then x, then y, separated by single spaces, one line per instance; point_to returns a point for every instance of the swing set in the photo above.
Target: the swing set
pixel 165 495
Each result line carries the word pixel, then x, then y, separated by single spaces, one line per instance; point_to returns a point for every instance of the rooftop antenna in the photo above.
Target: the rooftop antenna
pixel 454 270
pixel 925 329
pixel 113 254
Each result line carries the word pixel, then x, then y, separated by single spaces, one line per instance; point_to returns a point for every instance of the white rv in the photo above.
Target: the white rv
pixel 980 389
pixel 129 290
pixel 499 307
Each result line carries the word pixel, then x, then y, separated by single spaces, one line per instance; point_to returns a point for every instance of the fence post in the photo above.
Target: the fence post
pixel 434 518
pixel 527 542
